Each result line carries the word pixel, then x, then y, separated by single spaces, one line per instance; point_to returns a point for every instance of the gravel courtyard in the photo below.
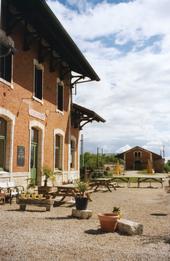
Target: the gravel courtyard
pixel 39 235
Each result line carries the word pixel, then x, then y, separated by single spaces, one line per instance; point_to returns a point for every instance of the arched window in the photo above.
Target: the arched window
pixel 73 152
pixel 138 154
pixel 3 131
pixel 58 151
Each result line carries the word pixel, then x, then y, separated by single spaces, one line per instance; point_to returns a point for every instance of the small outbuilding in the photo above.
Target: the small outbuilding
pixel 138 158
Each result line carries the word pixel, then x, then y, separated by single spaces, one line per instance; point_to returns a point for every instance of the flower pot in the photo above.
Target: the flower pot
pixel 108 222
pixel 81 203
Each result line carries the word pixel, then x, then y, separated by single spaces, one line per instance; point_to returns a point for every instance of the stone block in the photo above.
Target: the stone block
pixel 128 227
pixel 82 214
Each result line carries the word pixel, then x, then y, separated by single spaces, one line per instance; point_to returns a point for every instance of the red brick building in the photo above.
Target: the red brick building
pixel 37 61
pixel 137 158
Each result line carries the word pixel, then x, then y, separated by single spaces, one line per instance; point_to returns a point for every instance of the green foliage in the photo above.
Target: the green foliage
pixel 49 174
pixel 31 183
pixel 116 209
pixel 167 166
pixel 82 188
pixel 93 161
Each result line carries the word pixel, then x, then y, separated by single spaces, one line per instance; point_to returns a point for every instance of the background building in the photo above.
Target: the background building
pixel 138 158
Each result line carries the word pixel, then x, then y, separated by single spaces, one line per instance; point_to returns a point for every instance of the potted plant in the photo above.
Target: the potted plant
pixel 81 199
pixel 49 174
pixel 116 211
pixel 108 221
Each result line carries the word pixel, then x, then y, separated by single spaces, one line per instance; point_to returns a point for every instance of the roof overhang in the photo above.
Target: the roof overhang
pixel 39 15
pixel 81 116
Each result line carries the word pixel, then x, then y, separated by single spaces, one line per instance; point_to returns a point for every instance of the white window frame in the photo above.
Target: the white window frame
pixel 61 83
pixel 40 67
pixel 10 84
pixel 62 134
pixel 74 163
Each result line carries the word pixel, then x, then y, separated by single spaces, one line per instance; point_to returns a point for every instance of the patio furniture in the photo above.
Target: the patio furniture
pixel 69 190
pixel 140 178
pixel 10 190
pixel 43 202
pixel 102 182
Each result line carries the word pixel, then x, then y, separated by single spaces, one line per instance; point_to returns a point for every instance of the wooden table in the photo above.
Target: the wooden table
pixel 102 182
pixel 151 178
pixel 69 190
pixel 140 179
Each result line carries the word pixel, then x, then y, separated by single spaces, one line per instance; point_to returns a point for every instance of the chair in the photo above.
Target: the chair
pixel 9 190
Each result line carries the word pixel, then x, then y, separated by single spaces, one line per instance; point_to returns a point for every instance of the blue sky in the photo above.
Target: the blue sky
pixel 128 45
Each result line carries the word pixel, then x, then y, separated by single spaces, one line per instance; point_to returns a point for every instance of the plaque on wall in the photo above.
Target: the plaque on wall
pixel 20 156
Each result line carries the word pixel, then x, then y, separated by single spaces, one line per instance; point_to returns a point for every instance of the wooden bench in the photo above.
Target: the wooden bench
pixel 47 203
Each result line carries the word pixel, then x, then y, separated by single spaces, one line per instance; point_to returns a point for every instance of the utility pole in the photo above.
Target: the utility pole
pixel 163 151
pixel 97 157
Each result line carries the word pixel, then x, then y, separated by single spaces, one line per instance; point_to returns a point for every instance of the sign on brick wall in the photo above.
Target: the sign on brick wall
pixel 20 156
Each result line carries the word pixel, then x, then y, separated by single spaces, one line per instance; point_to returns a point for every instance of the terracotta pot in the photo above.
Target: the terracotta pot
pixel 108 221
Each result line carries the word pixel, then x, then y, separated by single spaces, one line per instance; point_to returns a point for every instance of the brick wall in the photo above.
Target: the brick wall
pixel 18 100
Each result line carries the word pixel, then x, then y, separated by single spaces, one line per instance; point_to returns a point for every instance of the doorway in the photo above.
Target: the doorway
pixel 34 154
pixel 138 165
pixel 3 130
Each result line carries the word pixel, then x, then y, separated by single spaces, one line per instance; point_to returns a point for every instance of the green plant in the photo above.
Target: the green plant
pixel 31 183
pixel 116 209
pixel 49 174
pixel 82 188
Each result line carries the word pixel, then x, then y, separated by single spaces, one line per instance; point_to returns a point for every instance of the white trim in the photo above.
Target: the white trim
pixel 73 138
pixel 38 100
pixel 41 67
pixel 78 153
pixel 61 133
pixel 59 82
pixel 9 115
pixel 10 84
pixel 41 127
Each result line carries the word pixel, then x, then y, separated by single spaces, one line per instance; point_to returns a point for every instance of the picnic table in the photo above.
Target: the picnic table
pixel 102 182
pixel 140 178
pixel 69 190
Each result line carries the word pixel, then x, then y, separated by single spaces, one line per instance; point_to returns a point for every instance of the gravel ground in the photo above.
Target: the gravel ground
pixel 39 235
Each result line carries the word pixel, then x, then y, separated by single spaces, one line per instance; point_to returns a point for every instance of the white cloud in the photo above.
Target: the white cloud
pixel 134 92
pixel 124 148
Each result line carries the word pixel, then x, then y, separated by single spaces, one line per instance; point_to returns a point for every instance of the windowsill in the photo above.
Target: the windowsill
pixel 10 84
pixel 4 173
pixel 38 100
pixel 60 112
pixel 57 171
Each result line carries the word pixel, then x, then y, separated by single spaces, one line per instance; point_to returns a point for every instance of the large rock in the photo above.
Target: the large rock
pixel 128 227
pixel 82 214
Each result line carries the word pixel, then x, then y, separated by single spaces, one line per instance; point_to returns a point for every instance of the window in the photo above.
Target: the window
pixel 58 151
pixel 73 152
pixel 38 81
pixel 137 154
pixel 3 127
pixel 60 97
pixel 5 65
